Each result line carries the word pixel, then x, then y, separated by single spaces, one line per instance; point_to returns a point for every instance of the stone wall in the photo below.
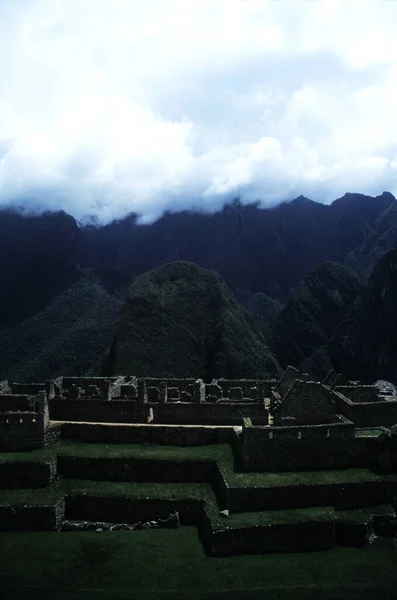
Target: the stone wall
pixel 367 414
pixel 15 402
pixel 263 388
pixel 298 447
pixel 103 383
pixel 27 388
pixel 209 413
pixel 305 403
pixel 359 393
pixel 340 495
pixel 279 537
pixel 102 411
pixel 32 518
pixel 27 474
pixel 130 510
pixel 167 435
pixel 21 431
pixel 286 380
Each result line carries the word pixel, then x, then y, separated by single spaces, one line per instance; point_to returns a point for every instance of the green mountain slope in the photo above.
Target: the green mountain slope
pixel 66 338
pixel 182 320
pixel 380 240
pixel 312 313
pixel 365 343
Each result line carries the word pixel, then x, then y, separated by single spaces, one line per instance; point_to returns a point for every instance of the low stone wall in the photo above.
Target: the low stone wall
pixel 130 510
pixel 368 414
pixel 209 413
pixel 353 534
pixel 358 393
pixel 100 411
pixel 52 434
pixel 32 518
pixel 341 495
pixel 167 435
pixel 263 386
pixel 26 474
pixel 280 537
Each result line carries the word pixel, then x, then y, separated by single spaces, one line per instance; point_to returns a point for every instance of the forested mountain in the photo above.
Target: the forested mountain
pixel 313 312
pixel 364 345
pixel 182 320
pixel 61 281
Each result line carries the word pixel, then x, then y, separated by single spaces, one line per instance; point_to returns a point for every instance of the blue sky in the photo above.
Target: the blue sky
pixel 113 106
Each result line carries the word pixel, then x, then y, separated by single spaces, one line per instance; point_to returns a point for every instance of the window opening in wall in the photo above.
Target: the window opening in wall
pixel 299 435
pixel 7 421
pixel 328 433
pixel 270 435
pixel 21 420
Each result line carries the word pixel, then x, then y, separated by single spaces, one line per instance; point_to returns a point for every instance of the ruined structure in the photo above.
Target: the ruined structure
pixel 292 426
pixel 24 421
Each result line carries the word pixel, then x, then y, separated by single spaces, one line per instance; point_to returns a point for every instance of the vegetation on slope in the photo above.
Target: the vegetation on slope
pixel 183 321
pixel 312 313
pixel 365 343
pixel 67 337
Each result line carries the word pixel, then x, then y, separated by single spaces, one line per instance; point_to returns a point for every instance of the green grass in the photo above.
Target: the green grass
pixel 62 486
pixel 368 432
pixel 171 564
pixel 360 515
pixel 270 517
pixel 221 453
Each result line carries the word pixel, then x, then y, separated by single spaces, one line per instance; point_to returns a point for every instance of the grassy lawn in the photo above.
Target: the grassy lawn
pixel 168 564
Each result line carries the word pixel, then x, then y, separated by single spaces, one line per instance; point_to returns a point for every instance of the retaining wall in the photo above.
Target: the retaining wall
pixel 341 495
pixel 27 474
pixel 280 537
pixel 169 435
pixel 32 518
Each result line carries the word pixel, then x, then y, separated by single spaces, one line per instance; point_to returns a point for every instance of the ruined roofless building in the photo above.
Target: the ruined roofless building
pixel 24 420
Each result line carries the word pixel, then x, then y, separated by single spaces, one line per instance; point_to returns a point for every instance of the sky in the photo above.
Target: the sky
pixel 109 107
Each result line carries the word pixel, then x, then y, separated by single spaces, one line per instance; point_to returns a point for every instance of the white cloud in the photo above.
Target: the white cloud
pixel 109 106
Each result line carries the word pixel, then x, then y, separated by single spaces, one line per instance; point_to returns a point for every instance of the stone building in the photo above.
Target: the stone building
pixel 24 421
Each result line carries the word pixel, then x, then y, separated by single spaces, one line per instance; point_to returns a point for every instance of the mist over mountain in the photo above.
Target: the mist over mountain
pixel 261 250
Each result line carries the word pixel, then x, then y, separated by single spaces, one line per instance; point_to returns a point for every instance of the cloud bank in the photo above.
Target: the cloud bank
pixel 114 106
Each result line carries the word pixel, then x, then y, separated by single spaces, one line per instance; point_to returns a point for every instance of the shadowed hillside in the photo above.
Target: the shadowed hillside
pixel 312 314
pixel 68 336
pixel 181 320
pixel 365 343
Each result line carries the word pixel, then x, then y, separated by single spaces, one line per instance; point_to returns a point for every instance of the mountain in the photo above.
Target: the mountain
pixel 67 337
pixel 39 260
pixel 364 345
pixel 261 254
pixel 183 321
pixel 380 240
pixel 313 312
pixel 257 249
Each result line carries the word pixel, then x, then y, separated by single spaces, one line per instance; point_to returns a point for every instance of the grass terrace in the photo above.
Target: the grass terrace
pixel 171 565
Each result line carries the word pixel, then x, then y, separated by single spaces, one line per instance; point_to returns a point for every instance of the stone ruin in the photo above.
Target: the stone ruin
pixel 24 420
